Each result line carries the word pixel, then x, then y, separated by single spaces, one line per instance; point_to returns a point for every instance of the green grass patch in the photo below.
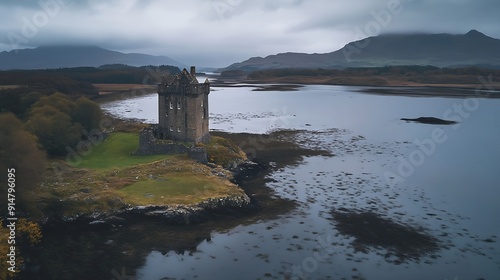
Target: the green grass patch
pixel 116 151
pixel 176 189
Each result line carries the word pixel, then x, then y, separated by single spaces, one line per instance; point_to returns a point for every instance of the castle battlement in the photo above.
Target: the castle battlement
pixel 189 89
pixel 184 83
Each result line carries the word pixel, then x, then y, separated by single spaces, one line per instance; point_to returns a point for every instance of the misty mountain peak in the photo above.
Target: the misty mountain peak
pixel 474 32
pixel 60 56
pixel 442 50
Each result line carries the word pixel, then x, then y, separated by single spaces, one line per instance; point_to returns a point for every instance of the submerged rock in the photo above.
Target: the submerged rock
pixel 402 242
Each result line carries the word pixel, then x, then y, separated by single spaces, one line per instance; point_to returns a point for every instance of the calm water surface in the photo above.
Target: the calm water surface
pixel 452 191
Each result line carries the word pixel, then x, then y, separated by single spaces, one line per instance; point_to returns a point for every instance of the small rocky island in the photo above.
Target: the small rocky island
pixel 429 120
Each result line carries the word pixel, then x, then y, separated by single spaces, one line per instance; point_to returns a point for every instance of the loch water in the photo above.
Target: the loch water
pixel 443 180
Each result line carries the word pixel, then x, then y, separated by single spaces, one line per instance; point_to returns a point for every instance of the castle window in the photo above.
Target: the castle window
pixel 178 129
pixel 171 105
pixel 202 103
pixel 178 105
pixel 171 128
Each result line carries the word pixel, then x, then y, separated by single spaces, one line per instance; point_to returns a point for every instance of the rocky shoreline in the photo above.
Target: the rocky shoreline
pixel 178 214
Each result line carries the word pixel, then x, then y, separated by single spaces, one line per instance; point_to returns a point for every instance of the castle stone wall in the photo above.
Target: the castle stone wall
pixel 149 144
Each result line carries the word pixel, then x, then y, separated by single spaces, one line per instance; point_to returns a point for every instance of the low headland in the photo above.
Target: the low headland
pixel 111 183
pixel 111 180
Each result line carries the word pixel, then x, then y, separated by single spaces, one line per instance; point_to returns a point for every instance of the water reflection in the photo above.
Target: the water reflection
pixel 453 194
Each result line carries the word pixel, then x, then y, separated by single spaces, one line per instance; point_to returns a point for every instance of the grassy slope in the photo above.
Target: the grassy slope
pixel 111 177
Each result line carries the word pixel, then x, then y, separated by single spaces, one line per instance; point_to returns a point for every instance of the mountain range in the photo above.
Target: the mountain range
pixel 443 50
pixel 50 57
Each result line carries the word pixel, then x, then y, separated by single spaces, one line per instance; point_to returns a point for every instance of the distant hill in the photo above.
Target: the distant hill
pixel 442 50
pixel 51 57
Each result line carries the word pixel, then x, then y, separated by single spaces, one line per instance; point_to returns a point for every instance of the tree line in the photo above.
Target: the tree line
pixel 79 80
pixel 38 122
pixel 406 70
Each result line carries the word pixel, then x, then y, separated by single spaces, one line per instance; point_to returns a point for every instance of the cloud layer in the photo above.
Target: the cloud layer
pixel 220 32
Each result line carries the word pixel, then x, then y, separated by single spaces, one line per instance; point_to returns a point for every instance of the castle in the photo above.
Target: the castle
pixel 182 115
pixel 183 108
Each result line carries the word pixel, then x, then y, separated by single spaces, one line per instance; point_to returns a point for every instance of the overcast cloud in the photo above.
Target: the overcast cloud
pixel 220 32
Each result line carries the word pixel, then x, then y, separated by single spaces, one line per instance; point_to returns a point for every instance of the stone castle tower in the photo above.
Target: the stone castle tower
pixel 183 108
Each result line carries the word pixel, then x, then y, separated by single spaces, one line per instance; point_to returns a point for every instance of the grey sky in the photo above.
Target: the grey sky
pixel 220 32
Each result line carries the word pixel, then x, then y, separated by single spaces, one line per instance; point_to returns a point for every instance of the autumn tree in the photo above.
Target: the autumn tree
pixel 28 233
pixel 58 100
pixel 54 128
pixel 59 121
pixel 88 113
pixel 27 100
pixel 19 150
